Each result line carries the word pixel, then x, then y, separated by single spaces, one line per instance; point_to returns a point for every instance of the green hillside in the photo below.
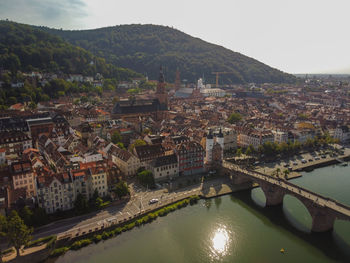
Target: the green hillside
pixel 144 47
pixel 26 48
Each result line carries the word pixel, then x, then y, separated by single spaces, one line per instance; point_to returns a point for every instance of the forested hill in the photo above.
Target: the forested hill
pixel 26 48
pixel 144 47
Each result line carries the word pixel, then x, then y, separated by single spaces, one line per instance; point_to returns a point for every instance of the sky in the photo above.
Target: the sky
pixel 295 36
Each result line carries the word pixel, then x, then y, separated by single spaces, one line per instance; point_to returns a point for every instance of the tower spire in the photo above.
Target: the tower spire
pixel 161 75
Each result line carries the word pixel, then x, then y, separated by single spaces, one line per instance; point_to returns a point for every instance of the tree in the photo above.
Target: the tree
pixel 18 234
pixel 32 105
pixel 146 178
pixel 137 142
pixel 39 217
pixel 234 118
pixel 84 99
pixel 121 189
pixel 116 137
pixel 98 202
pixel 250 150
pixel 80 204
pixel 12 100
pixel 3 224
pixel 26 214
pixel 239 152
pixel 121 145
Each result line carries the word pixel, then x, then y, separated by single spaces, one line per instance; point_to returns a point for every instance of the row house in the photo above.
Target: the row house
pixel 342 133
pixel 147 153
pixel 99 176
pixel 40 126
pixel 23 177
pixel 165 167
pixel 15 142
pixel 190 158
pixel 56 192
pixel 82 182
pixel 254 138
pixel 280 136
pixel 127 163
pixel 303 135
pixel 99 180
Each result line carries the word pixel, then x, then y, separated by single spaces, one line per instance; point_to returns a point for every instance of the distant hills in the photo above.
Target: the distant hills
pixel 144 47
pixel 121 51
pixel 27 48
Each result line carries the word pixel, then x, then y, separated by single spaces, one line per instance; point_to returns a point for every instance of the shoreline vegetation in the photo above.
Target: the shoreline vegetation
pixel 137 222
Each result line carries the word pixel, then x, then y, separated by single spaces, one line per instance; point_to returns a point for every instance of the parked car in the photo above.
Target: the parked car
pixel 310 160
pixel 317 158
pixel 295 163
pixel 153 201
pixel 303 161
pixel 323 156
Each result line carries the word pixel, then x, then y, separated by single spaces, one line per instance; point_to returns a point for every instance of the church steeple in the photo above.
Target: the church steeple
pixel 161 75
pixel 161 93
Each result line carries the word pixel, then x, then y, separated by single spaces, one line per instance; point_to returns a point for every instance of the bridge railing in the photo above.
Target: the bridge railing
pixel 291 185
pixel 304 189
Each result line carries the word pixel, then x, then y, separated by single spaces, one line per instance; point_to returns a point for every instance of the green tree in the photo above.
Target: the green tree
pixel 12 100
pixel 3 224
pixel 81 204
pixel 121 145
pixel 250 150
pixel 116 137
pixel 239 152
pixel 234 117
pixel 146 178
pixel 98 202
pixel 18 234
pixel 39 217
pixel 27 215
pixel 121 189
pixel 32 105
pixel 137 142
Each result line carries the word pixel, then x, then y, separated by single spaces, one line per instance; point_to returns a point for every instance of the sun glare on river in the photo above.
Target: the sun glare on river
pixel 220 242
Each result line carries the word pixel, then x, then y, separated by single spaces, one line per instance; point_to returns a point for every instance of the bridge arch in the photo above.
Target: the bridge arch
pixel 258 196
pixel 297 213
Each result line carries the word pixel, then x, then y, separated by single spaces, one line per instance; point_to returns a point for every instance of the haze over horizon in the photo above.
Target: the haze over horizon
pixel 293 36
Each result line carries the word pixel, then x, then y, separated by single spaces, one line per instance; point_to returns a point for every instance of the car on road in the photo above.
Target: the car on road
pixel 153 201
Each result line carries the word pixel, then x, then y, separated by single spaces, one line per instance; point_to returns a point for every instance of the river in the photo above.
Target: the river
pixel 235 228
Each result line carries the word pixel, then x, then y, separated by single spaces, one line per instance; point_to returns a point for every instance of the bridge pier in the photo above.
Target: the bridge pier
pixel 273 193
pixel 322 218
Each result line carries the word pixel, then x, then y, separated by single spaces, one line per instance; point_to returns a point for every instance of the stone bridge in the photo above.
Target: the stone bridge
pixel 323 210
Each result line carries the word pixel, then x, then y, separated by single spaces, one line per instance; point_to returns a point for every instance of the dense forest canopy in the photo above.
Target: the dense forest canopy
pixel 27 48
pixel 144 47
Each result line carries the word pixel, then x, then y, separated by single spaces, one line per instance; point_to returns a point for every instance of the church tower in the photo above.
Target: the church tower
pixel 177 80
pixel 161 93
pixel 209 147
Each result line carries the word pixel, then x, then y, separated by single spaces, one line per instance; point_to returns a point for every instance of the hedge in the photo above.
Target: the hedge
pixel 80 243
pixel 7 251
pixel 118 230
pixel 49 240
pixel 59 251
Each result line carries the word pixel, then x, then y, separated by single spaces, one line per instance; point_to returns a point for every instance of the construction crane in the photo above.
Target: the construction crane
pixel 217 73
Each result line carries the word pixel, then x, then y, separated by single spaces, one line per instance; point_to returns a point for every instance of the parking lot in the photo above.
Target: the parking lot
pixel 303 160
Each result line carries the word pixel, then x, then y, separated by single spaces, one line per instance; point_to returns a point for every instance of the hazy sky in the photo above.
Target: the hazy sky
pixel 296 36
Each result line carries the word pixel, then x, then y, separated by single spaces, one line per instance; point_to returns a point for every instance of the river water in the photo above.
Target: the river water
pixel 235 228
